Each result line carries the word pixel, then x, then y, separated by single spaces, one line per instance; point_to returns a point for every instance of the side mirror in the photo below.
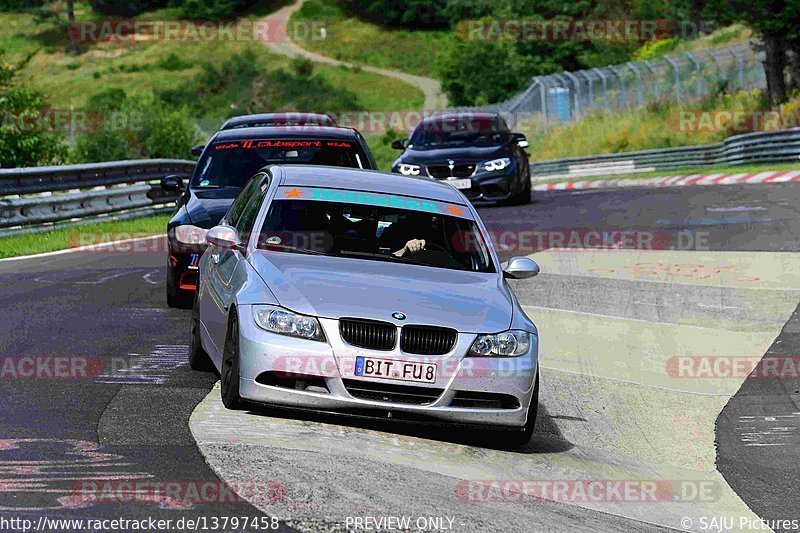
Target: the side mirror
pixel 520 139
pixel 197 150
pixel 172 183
pixel 399 144
pixel 223 236
pixel 520 268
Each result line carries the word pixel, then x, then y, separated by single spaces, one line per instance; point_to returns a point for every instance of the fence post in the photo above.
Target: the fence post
pixel 698 82
pixel 605 87
pixel 639 88
pixel 677 78
pixel 543 92
pixel 654 73
pixel 621 83
pixel 577 84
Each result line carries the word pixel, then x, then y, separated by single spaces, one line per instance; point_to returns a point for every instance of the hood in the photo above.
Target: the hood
pixel 207 207
pixel 335 287
pixel 462 154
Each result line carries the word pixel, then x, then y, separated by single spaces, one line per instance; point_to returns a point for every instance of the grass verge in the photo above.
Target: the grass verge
pixel 74 236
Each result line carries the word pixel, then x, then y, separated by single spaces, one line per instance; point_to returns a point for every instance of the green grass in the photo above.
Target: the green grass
pixel 650 127
pixel 75 236
pixel 380 146
pixel 721 169
pixel 68 80
pixel 354 40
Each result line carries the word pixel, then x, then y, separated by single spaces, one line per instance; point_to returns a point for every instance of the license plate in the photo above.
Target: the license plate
pixel 399 370
pixel 461 184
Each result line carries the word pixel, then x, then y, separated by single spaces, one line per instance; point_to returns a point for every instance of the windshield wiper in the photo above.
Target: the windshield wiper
pixel 384 257
pixel 293 249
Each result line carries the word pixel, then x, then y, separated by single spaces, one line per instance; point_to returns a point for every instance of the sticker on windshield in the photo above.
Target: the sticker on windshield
pixel 251 144
pixel 204 183
pixel 273 240
pixel 372 199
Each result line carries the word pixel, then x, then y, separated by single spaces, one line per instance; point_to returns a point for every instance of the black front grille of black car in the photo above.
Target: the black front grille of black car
pixel 368 334
pixel 384 392
pixel 427 340
pixel 458 171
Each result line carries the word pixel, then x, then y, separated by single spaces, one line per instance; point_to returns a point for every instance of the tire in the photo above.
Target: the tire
pixel 198 358
pixel 521 198
pixel 229 369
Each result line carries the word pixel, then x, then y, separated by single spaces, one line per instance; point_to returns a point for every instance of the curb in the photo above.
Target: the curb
pixel 772 176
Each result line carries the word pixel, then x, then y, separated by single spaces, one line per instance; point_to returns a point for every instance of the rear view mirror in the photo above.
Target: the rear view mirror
pixel 172 183
pixel 520 268
pixel 197 150
pixel 521 140
pixel 223 236
pixel 399 144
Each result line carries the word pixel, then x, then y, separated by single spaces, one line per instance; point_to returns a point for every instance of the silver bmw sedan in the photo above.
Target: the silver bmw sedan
pixel 356 291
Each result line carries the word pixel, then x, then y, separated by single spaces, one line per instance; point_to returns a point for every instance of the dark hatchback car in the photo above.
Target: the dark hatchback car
pixel 227 162
pixel 473 151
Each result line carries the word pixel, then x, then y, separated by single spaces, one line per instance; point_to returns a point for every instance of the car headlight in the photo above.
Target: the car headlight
pixel 409 170
pixel 496 164
pixel 509 343
pixel 285 322
pixel 188 234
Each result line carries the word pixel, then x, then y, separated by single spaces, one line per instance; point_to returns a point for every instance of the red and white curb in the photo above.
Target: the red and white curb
pixel 773 176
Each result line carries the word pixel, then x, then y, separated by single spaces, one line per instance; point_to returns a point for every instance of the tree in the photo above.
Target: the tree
pixel 775 23
pixel 26 136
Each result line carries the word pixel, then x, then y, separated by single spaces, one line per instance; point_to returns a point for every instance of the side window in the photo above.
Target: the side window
pixel 245 223
pixel 241 201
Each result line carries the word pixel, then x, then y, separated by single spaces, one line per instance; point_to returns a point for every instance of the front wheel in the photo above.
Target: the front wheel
pixel 229 369
pixel 198 358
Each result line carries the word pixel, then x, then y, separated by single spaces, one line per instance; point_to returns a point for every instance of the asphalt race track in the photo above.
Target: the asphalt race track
pixel 632 388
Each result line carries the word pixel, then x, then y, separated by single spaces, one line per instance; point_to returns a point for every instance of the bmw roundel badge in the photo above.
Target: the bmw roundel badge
pixel 399 316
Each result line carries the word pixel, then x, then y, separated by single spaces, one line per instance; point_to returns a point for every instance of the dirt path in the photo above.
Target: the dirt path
pixel 279 42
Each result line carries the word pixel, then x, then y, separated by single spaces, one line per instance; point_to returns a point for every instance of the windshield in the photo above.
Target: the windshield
pixel 374 233
pixel 231 164
pixel 460 131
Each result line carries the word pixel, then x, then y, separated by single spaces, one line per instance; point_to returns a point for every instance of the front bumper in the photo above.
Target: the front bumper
pixel 183 261
pixel 493 186
pixel 290 372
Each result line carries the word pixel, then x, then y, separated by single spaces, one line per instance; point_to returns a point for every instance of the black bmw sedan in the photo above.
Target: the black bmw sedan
pixel 473 151
pixel 226 163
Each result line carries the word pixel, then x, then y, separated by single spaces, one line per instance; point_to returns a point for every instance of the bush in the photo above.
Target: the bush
pixel 141 127
pixel 20 5
pixel 416 14
pixel 25 139
pixel 212 9
pixel 106 100
pixel 126 8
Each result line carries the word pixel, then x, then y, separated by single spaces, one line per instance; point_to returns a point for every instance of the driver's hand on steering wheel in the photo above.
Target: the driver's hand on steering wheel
pixel 412 246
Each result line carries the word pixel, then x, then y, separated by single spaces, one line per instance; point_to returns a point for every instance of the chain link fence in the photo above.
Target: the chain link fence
pixel 569 96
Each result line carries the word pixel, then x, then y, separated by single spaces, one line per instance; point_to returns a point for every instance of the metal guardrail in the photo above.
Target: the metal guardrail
pixel 33 199
pixel 780 146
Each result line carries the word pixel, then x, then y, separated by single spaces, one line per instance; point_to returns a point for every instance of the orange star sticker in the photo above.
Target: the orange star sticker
pixel 454 210
pixel 294 193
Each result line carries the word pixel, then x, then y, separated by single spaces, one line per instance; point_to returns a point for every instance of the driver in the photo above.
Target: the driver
pixel 396 236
